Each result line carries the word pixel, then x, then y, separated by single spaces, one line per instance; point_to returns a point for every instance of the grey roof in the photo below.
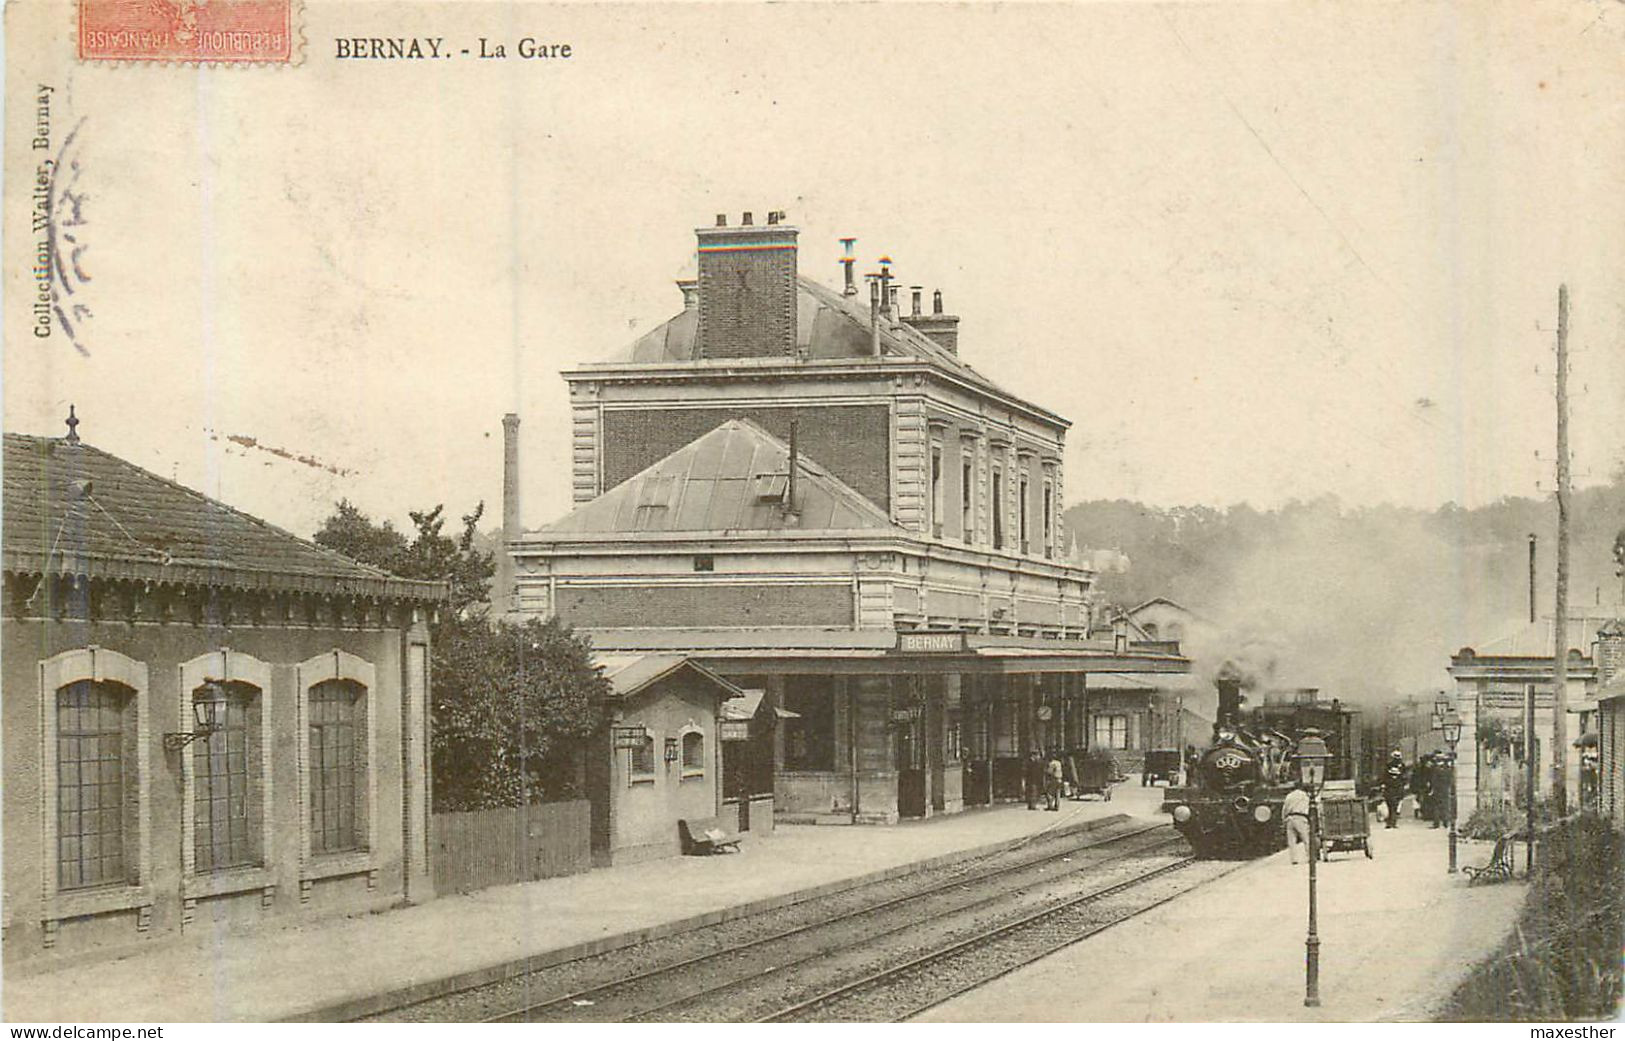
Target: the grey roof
pixel 630 673
pixel 732 479
pixel 829 325
pixel 71 508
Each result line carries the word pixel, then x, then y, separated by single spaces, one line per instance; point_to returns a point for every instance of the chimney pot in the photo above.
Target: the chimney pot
pixel 745 220
pixel 936 302
pixel 773 217
pixel 722 220
pixel 915 292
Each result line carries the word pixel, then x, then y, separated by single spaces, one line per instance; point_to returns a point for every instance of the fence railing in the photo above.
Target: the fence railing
pixel 515 844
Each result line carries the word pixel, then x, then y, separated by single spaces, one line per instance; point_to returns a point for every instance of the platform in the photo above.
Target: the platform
pixel 1398 934
pixel 336 969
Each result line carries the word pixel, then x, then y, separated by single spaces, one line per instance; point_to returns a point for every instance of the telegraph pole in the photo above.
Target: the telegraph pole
pixel 1529 736
pixel 1560 699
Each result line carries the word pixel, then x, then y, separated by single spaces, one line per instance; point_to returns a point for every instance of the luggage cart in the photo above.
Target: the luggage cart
pixel 1344 823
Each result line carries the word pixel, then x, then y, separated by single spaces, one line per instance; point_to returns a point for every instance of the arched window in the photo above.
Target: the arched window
pixel 1150 630
pixel 338 767
pixel 693 754
pixel 95 766
pixel 227 800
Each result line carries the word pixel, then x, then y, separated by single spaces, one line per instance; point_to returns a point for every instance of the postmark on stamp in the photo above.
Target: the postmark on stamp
pixel 255 31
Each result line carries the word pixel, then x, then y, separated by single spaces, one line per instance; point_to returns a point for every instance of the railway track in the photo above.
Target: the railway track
pixel 673 973
pixel 901 991
pixel 727 984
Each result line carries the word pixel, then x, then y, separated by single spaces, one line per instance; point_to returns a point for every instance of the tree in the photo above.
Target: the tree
pixel 511 703
pixel 430 554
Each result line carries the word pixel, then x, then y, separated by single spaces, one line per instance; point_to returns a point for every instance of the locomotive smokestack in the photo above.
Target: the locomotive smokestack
pixel 1229 702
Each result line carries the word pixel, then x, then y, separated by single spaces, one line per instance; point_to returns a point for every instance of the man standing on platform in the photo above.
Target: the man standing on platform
pixel 1393 785
pixel 1052 783
pixel 1033 778
pixel 1295 814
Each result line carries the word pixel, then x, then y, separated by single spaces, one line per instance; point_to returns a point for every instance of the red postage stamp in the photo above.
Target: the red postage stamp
pixel 260 31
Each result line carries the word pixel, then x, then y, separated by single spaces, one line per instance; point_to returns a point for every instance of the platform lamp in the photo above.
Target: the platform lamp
pixel 208 712
pixel 1311 756
pixel 1450 724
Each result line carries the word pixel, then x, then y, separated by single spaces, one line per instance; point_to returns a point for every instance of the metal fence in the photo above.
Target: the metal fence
pixel 516 844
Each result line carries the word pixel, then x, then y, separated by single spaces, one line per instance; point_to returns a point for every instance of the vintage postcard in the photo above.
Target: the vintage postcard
pixel 819 512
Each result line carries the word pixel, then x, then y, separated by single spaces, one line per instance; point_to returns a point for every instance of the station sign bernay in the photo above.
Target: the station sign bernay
pixel 931 643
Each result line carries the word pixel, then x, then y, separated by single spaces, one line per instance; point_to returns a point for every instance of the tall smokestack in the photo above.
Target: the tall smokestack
pixel 506 596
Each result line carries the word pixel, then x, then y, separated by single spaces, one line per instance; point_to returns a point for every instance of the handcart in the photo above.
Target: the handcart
pixel 1093 774
pixel 1344 823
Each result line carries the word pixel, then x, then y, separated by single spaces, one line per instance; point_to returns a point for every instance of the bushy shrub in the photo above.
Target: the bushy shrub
pixel 1563 960
pixel 1492 820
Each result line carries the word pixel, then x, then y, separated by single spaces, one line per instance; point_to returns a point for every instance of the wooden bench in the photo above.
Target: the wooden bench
pixel 705 835
pixel 1500 865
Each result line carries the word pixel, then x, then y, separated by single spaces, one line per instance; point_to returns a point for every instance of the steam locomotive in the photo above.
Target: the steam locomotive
pixel 1230 805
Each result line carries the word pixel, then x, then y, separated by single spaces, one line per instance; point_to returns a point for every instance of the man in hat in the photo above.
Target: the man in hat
pixel 1394 783
pixel 1033 778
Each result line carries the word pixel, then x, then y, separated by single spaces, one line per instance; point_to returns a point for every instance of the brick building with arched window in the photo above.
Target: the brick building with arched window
pixel 207 721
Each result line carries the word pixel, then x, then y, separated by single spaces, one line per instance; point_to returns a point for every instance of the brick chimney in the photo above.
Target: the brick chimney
pixel 747 291
pixel 505 598
pixel 943 329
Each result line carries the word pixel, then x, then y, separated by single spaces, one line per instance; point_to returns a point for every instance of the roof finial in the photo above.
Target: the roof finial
pixel 73 427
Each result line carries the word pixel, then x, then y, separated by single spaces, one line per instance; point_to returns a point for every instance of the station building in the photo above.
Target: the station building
pixel 811 494
pixel 208 722
pixel 1491 682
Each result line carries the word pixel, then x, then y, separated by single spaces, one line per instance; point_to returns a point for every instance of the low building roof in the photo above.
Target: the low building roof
pixel 73 509
pixel 733 479
pixel 628 674
pixel 1535 639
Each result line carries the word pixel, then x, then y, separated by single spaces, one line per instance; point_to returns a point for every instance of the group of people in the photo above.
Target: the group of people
pixel 1043 777
pixel 1427 782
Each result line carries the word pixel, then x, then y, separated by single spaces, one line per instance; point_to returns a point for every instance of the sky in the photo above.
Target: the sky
pixel 1254 252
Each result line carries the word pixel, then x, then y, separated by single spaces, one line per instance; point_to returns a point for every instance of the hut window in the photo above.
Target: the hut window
pixel 643 762
pixel 693 754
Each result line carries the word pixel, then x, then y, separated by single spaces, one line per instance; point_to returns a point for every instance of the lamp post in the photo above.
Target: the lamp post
pixel 1452 733
pixel 1311 755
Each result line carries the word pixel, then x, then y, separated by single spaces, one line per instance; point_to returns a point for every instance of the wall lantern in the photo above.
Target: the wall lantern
pixel 208 715
pixel 671 749
pixel 629 736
